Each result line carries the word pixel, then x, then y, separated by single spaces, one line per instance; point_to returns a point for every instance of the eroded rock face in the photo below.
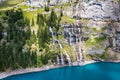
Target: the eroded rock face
pixel 35 3
pixel 101 14
pixel 99 9
pixel 41 3
pixel 58 2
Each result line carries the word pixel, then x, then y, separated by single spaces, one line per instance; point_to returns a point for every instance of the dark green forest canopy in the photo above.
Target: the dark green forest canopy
pixel 15 33
pixel 15 30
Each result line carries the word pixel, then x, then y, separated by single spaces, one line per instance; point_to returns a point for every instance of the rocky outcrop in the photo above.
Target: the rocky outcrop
pixel 58 2
pixel 98 9
pixel 2 1
pixel 41 3
pixel 35 3
pixel 98 14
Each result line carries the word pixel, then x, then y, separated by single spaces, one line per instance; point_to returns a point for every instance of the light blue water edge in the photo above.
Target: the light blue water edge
pixel 94 71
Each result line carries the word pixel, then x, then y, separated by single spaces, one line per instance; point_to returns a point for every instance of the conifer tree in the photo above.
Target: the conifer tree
pixel 33 23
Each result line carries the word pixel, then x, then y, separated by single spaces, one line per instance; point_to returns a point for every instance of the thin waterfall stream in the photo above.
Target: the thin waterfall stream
pixel 62 58
pixel 73 34
pixel 58 60
pixel 61 54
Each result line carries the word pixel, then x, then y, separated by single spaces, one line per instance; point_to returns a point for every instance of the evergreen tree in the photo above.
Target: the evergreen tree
pixel 61 12
pixel 1 31
pixel 33 23
pixel 18 32
pixel 53 19
pixel 46 8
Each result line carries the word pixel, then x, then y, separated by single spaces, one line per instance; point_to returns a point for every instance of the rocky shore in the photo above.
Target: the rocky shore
pixel 47 67
pixel 27 70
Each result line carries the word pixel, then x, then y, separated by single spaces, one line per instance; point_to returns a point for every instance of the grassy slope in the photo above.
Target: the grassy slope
pixel 32 15
pixel 10 3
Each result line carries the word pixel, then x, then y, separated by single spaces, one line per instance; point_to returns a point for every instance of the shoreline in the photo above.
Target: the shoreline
pixel 44 68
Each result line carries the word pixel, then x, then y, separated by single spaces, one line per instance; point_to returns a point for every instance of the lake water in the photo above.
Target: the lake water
pixel 95 71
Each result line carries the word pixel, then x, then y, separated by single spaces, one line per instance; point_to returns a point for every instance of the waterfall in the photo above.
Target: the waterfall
pixel 76 53
pixel 73 30
pixel 114 42
pixel 68 58
pixel 50 29
pixel 62 58
pixel 58 60
pixel 76 46
pixel 76 39
pixel 80 51
pixel 70 40
pixel 76 50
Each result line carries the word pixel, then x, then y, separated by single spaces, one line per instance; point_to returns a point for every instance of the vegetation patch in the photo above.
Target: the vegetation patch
pixel 93 41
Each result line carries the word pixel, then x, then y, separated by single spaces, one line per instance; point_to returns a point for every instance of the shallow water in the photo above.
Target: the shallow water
pixel 95 71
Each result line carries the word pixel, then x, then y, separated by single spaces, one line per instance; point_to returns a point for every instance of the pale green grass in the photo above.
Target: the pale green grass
pixel 67 19
pixel 94 41
pixel 24 6
pixel 9 3
pixel 33 14
pixel 63 5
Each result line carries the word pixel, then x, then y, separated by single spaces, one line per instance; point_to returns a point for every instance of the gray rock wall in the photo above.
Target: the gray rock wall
pixel 99 9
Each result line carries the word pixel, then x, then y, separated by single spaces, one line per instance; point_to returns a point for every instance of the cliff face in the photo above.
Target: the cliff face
pixel 41 3
pixel 102 18
pixel 99 9
pixel 54 2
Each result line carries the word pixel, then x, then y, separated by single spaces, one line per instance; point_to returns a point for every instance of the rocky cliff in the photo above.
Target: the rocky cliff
pixel 100 17
pixel 99 9
pixel 41 3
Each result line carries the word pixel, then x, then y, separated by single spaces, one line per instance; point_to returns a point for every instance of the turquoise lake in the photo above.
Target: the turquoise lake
pixel 95 71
